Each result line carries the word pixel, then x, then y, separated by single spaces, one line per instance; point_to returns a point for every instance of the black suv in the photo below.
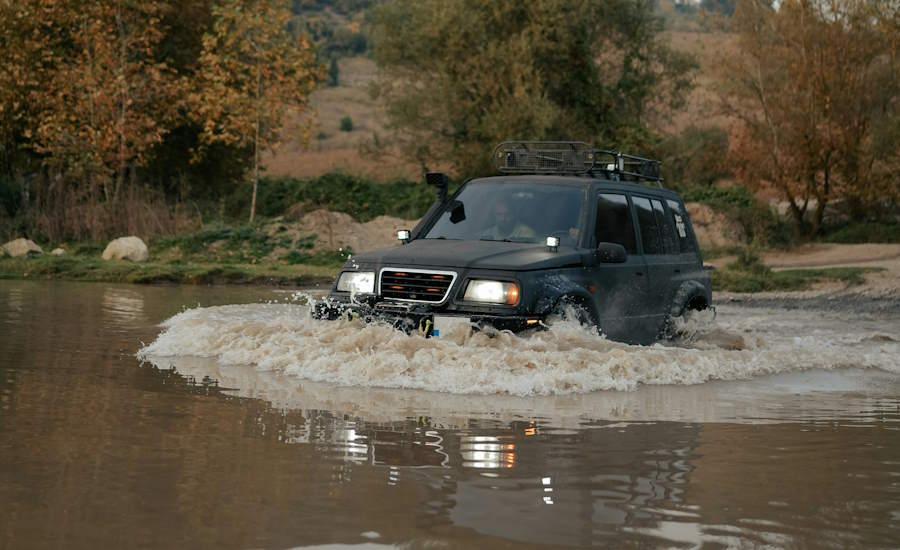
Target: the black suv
pixel 568 230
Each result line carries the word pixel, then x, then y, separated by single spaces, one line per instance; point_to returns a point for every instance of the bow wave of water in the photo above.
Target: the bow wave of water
pixel 741 344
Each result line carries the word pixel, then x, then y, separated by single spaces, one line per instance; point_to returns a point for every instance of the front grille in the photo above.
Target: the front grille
pixel 416 285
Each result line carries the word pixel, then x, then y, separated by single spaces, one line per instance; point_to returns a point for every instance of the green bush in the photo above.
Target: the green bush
pixel 863 232
pixel 321 258
pixel 695 157
pixel 362 198
pixel 233 244
pixel 346 124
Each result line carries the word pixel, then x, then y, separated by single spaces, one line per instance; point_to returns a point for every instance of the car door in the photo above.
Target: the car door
pixel 620 289
pixel 661 266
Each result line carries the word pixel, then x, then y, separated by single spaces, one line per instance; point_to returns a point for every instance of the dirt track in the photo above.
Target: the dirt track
pixel 879 295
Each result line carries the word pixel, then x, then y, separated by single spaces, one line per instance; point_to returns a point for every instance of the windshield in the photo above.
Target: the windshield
pixel 515 212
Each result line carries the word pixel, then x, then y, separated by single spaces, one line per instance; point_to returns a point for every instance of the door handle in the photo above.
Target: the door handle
pixel 639 273
pixel 677 271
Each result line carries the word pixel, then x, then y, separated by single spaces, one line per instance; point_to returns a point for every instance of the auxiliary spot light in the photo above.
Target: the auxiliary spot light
pixel 403 235
pixel 553 243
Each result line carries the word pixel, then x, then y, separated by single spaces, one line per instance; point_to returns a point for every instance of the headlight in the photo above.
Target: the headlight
pixel 362 282
pixel 492 292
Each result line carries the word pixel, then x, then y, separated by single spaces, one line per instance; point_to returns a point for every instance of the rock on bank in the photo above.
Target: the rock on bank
pixel 127 248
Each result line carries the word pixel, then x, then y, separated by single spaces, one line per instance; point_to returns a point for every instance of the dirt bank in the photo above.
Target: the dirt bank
pixel 338 230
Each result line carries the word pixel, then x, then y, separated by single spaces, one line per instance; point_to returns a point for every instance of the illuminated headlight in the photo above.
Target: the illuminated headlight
pixel 362 282
pixel 492 292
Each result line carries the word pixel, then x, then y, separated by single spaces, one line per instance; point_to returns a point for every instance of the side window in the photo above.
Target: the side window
pixel 614 224
pixel 666 227
pixel 685 243
pixel 649 228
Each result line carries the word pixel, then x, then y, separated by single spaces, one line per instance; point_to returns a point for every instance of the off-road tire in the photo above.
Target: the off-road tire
pixel 568 308
pixel 681 307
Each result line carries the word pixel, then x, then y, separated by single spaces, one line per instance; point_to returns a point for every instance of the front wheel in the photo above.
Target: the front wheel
pixel 567 310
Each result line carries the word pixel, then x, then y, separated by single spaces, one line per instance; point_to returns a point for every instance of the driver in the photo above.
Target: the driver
pixel 506 227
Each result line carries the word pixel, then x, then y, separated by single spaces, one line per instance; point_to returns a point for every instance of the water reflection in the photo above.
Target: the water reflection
pixel 487 452
pixel 537 481
pixel 123 307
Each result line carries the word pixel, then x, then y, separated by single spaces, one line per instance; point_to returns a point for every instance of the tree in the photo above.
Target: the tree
pixel 334 72
pixel 252 72
pixel 461 76
pixel 100 97
pixel 815 92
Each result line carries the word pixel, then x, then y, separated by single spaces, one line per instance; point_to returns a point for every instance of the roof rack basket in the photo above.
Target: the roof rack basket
pixel 573 158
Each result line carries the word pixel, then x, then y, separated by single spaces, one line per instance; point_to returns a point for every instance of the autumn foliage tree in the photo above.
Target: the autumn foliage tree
pixel 97 96
pixel 91 95
pixel 111 99
pixel 254 72
pixel 815 91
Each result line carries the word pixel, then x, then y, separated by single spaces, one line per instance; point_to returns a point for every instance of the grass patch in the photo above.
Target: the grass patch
pixel 224 244
pixel 749 274
pixel 96 270
pixel 720 251
pixel 863 232
pixel 244 245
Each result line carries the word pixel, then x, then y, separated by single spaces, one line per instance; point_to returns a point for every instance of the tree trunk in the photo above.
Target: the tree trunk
pixel 123 102
pixel 256 143
pixel 255 171
pixel 822 201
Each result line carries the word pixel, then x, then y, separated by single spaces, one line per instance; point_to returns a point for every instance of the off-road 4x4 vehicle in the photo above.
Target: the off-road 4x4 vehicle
pixel 567 230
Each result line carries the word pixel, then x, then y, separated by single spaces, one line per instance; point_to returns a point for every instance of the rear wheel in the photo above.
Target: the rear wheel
pixel 680 320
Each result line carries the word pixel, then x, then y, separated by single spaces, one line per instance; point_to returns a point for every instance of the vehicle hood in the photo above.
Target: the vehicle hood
pixel 472 254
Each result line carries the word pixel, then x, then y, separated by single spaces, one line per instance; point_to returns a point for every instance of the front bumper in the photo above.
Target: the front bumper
pixel 415 317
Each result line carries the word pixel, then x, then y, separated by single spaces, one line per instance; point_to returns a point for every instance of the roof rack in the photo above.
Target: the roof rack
pixel 573 157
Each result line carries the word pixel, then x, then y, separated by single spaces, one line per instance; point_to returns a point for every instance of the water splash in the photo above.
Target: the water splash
pixel 283 338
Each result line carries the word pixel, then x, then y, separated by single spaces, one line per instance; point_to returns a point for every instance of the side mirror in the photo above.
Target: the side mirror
pixel 403 235
pixel 611 253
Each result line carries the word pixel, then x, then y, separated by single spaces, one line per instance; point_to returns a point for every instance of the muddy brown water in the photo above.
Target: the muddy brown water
pixel 773 427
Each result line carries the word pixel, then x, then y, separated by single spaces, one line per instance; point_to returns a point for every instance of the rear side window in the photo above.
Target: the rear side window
pixel 614 224
pixel 649 228
pixel 666 228
pixel 679 218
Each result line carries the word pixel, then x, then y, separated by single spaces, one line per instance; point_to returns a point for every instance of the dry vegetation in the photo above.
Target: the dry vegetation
pixel 703 104
pixel 330 149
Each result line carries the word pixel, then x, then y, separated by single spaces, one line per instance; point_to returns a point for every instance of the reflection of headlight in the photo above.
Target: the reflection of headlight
pixel 357 281
pixel 492 292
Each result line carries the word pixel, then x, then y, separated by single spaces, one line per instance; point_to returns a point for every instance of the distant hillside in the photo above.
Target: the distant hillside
pixel 334 23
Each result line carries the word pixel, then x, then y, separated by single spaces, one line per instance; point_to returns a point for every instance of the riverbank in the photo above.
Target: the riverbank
pixel 819 269
pixel 74 268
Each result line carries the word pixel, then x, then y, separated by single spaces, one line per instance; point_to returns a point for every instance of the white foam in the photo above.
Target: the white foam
pixel 567 359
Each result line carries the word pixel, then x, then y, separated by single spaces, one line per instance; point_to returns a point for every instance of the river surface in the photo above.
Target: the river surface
pixel 168 417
